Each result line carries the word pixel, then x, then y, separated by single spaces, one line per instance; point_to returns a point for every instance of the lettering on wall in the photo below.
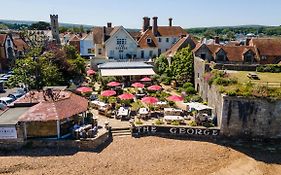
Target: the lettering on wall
pixel 146 130
pixel 8 133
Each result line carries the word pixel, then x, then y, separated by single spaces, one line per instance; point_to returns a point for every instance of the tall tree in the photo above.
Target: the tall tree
pixel 162 65
pixel 182 67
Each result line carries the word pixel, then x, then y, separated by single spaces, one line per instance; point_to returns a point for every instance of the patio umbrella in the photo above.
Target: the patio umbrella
pixel 84 89
pixel 91 72
pixel 154 88
pixel 145 79
pixel 108 93
pixel 113 84
pixel 138 85
pixel 175 98
pixel 149 100
pixel 126 96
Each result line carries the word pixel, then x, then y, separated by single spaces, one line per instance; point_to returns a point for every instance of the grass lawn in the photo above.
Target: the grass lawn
pixel 273 79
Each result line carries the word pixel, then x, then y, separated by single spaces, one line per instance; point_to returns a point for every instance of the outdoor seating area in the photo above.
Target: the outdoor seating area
pixel 144 101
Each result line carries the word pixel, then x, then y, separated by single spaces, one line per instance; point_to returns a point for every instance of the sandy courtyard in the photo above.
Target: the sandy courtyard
pixel 149 155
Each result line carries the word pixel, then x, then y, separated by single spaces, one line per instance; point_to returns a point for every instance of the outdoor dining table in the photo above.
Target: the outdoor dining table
pixel 173 118
pixel 98 104
pixel 143 111
pixel 122 112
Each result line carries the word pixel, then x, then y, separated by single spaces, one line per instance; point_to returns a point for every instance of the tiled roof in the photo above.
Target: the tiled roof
pixel 2 39
pixel 65 107
pixel 182 43
pixel 20 44
pixel 98 34
pixel 267 46
pixel 233 53
pixel 142 42
pixel 135 35
pixel 74 38
pixel 171 31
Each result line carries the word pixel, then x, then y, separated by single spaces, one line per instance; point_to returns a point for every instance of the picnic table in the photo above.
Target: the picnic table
pixel 143 113
pixel 170 118
pixel 172 112
pixel 97 104
pixel 123 112
pixel 253 75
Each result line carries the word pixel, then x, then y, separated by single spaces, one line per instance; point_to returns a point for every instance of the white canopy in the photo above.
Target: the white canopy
pixel 197 106
pixel 127 72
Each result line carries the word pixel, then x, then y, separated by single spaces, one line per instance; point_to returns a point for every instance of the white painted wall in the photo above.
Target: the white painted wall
pixel 112 49
pixel 147 53
pixel 86 44
pixel 164 46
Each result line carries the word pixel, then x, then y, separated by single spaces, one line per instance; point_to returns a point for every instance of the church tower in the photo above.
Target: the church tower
pixel 55 28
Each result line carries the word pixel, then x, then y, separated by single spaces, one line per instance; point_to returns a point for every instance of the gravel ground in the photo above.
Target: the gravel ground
pixel 147 155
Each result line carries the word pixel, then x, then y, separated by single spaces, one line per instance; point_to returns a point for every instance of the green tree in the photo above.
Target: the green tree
pixel 36 74
pixel 230 35
pixel 182 66
pixel 209 34
pixel 70 51
pixel 41 25
pixel 3 27
pixel 162 65
pixel 63 29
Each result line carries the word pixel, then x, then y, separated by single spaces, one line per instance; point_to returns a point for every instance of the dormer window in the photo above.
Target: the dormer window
pixel 148 40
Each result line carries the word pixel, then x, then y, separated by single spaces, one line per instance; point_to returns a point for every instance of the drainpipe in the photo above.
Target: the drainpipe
pixel 58 129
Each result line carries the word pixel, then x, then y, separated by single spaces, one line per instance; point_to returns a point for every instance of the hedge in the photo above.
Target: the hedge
pixel 274 68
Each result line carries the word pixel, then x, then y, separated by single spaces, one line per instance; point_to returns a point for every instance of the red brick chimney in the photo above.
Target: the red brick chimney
pixel 155 26
pixel 146 23
pixel 170 22
pixel 217 40
pixel 104 33
pixel 247 41
pixel 109 25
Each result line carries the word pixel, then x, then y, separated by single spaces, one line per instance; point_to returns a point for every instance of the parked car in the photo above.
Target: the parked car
pixel 15 95
pixel 6 100
pixel 3 106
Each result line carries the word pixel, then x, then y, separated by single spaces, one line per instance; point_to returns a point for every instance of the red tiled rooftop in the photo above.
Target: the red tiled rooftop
pixel 68 105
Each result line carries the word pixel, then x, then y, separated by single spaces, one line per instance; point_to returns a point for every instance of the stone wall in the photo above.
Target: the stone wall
pixel 239 116
pixel 86 144
pixel 251 117
pixel 83 145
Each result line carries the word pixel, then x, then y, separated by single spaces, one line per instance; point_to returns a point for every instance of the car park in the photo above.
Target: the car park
pixel 6 100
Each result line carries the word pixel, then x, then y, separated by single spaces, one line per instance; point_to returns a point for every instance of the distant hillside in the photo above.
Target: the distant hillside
pixel 30 22
pixel 228 32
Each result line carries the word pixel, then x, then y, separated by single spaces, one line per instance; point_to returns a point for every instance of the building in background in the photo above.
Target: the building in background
pixel 120 44
pixel 55 28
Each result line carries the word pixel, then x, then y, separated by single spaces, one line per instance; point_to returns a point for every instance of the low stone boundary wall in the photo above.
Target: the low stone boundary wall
pixel 175 131
pixel 83 145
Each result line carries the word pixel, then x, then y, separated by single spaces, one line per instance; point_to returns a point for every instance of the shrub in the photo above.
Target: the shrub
pixel 190 90
pixel 159 122
pixel 138 122
pixel 274 68
pixel 192 123
pixel 196 98
pixel 176 123
pixel 231 93
pixel 208 124
pixel 187 85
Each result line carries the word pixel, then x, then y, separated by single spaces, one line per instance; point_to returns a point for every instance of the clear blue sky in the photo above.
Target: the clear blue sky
pixel 129 13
